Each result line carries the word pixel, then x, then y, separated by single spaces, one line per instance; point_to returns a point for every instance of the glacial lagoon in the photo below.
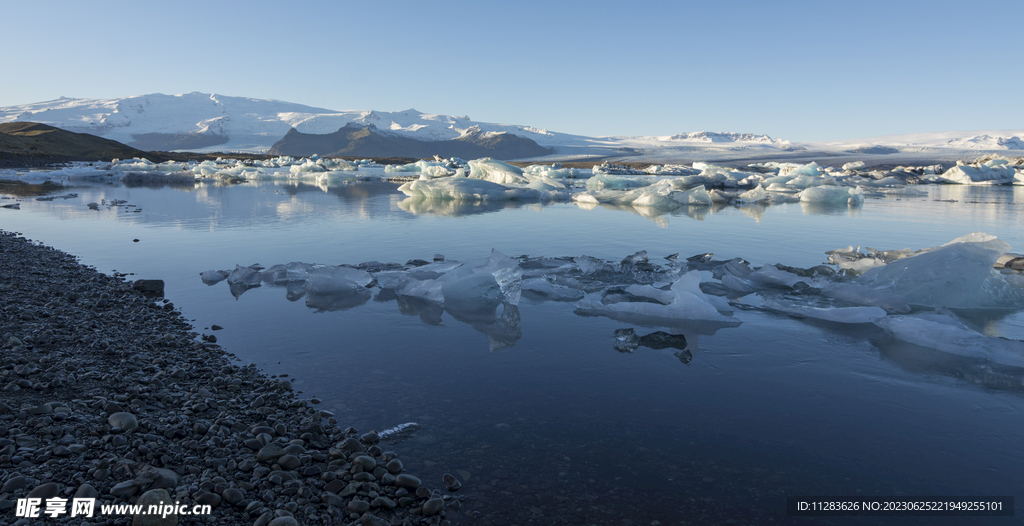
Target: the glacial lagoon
pixel 549 416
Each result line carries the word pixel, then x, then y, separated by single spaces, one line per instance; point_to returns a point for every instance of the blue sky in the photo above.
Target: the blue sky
pixel 803 71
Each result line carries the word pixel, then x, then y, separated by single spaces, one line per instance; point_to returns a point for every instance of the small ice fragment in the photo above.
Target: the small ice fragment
pixel 212 277
pixel 247 276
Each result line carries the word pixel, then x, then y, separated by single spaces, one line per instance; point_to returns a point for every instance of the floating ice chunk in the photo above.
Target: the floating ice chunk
pixel 738 284
pixel 590 265
pixel 671 169
pixel 465 189
pixel 433 270
pixel 838 315
pixel 292 272
pixel 602 180
pixel 688 304
pixel 980 174
pixel 418 166
pixel 736 267
pixel 856 165
pixel 861 295
pixel 507 273
pixel 551 291
pixel 555 172
pixel 476 292
pixel 698 196
pixel 663 297
pixel 945 333
pixel 810 169
pixel 212 277
pixel 958 274
pixel 310 166
pixel 488 169
pixel 753 195
pixel 248 276
pixel 392 279
pixel 436 171
pixel 771 276
pixel 427 289
pixel 328 278
pixel 832 195
pixel 335 176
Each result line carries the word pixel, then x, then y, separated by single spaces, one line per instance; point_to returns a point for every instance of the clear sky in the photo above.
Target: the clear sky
pixel 797 70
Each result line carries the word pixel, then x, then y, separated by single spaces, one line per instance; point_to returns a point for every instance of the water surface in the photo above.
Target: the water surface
pixel 552 424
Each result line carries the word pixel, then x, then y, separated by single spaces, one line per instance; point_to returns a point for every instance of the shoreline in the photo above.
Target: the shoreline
pixel 108 393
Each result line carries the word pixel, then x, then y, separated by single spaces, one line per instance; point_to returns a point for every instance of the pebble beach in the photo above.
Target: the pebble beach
pixel 108 393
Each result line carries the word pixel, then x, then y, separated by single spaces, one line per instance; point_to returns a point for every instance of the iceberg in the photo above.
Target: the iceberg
pixel 488 169
pixel 958 275
pixel 995 171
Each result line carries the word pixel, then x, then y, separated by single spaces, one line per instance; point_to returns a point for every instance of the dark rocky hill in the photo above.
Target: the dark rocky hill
pixel 367 141
pixel 30 143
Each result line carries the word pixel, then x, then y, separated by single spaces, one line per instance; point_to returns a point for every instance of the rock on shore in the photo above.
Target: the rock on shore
pixel 107 393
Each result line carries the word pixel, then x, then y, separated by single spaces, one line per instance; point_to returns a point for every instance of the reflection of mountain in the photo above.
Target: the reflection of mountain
pixel 356 140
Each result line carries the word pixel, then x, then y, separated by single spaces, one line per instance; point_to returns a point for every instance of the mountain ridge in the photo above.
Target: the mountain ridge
pixel 204 122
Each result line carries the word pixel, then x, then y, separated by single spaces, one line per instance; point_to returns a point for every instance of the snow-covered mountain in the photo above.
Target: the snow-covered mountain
pixel 210 122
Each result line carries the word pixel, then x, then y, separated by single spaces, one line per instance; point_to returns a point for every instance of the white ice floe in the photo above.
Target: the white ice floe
pixel 958 274
pixel 686 303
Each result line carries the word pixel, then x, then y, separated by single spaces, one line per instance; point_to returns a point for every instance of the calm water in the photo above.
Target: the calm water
pixel 557 426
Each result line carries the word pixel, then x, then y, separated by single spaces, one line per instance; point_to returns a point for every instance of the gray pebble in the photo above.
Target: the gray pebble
pixel 358 506
pixel 405 480
pixel 43 491
pixel 126 421
pixel 155 497
pixel 433 506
